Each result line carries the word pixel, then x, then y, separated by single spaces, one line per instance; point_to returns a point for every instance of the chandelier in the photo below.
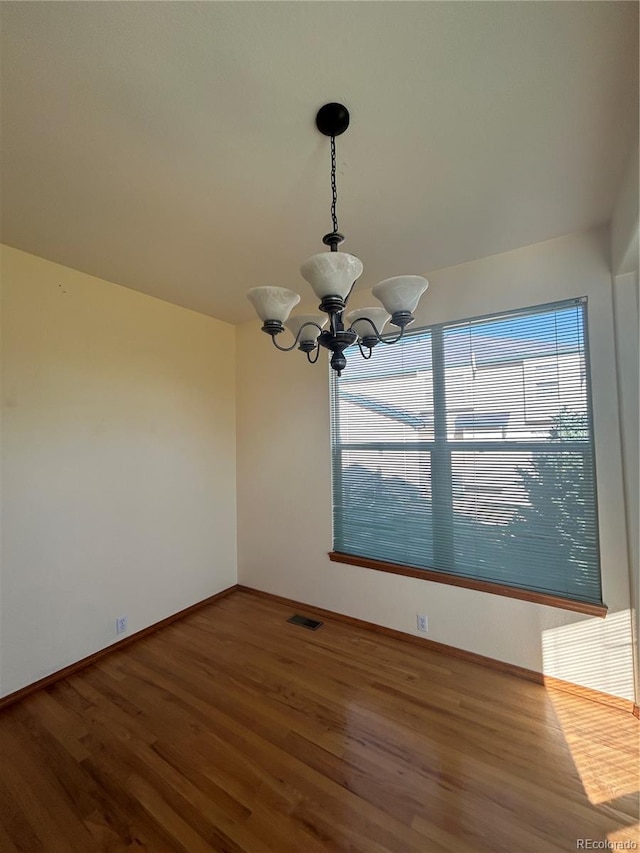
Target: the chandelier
pixel 333 275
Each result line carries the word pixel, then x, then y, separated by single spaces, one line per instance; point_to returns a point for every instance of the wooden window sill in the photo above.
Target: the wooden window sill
pixel 471 583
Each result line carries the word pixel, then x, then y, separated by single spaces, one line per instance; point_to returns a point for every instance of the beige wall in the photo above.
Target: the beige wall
pixel 284 489
pixel 624 220
pixel 118 463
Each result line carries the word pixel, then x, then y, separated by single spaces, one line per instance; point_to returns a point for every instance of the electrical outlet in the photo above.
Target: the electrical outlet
pixel 423 622
pixel 121 624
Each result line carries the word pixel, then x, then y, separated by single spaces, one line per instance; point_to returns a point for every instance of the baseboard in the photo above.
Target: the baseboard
pixel 636 711
pixel 48 680
pixel 502 666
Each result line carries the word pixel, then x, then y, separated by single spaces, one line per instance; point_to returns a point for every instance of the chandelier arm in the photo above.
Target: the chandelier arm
pixel 363 352
pixel 376 333
pixel 394 340
pixel 295 343
pixel 317 352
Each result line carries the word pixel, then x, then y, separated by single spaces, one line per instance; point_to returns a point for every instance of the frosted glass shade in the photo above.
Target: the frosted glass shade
pixel 272 303
pixel 401 293
pixel 361 327
pixel 331 273
pixel 310 334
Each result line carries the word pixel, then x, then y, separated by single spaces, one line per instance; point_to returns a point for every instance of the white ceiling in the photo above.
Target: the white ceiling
pixel 171 147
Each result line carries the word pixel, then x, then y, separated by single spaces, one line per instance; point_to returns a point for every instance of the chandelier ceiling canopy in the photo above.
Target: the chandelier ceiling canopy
pixel 332 276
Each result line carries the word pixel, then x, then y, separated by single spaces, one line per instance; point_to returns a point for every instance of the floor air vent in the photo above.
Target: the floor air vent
pixel 311 624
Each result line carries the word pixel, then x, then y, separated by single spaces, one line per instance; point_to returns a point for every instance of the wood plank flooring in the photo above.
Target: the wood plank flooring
pixel 233 731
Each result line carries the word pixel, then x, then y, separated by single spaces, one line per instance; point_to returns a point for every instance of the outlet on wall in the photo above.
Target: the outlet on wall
pixel 423 622
pixel 121 624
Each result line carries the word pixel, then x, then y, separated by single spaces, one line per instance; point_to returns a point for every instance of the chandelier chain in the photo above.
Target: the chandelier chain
pixel 334 191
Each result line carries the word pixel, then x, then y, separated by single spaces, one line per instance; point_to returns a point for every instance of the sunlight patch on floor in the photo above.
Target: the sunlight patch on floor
pixel 607 762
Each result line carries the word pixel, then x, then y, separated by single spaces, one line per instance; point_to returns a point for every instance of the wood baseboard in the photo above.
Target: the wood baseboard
pixel 502 666
pixel 5 701
pixel 636 711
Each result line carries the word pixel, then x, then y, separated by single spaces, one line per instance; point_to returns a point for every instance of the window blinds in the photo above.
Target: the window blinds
pixel 467 448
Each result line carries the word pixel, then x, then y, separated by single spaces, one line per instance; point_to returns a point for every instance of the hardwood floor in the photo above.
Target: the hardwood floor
pixel 233 730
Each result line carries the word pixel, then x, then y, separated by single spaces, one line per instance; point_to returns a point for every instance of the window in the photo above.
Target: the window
pixel 465 453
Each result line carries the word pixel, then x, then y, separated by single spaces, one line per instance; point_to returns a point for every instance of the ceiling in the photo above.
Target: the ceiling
pixel 170 146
